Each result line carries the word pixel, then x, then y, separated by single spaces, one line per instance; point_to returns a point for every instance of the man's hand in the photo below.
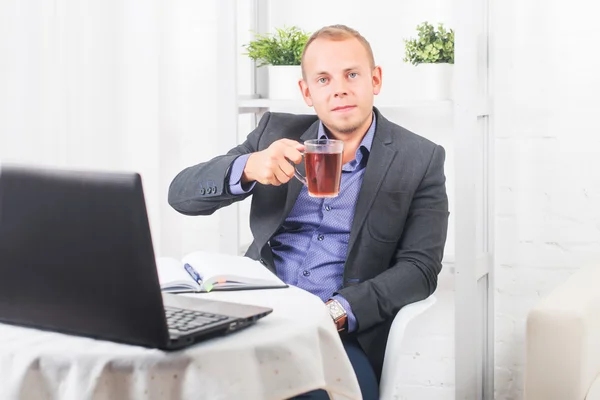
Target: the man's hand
pixel 271 166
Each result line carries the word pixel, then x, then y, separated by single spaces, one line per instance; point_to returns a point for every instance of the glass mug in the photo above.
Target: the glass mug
pixel 323 164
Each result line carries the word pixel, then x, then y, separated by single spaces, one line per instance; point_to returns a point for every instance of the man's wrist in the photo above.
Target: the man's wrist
pixel 247 173
pixel 236 186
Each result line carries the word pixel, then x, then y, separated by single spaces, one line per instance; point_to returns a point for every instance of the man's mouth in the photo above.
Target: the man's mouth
pixel 343 108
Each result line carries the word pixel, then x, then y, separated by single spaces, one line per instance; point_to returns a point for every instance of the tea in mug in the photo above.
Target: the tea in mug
pixel 323 173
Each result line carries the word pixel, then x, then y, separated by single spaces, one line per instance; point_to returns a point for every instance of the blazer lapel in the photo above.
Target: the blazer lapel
pixel 380 158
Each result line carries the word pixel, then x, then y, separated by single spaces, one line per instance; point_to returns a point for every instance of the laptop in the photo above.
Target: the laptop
pixel 76 257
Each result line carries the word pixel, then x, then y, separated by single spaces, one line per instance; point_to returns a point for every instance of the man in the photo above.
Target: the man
pixel 368 252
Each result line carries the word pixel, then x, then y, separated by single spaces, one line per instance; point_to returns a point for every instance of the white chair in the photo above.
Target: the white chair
pixel 391 364
pixel 562 359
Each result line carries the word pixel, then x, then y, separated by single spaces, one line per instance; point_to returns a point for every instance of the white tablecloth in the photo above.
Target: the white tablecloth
pixel 293 350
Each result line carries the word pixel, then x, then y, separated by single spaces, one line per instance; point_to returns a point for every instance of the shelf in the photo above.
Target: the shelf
pixel 248 105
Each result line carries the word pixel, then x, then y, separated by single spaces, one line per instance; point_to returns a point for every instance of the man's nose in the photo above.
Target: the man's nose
pixel 340 89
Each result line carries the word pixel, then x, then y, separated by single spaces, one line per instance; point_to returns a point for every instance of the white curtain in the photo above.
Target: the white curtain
pixel 118 85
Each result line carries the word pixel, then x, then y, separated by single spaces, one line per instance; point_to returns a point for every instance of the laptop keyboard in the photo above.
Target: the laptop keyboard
pixel 181 321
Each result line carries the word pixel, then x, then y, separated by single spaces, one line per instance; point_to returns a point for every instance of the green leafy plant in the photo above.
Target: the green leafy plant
pixel 284 47
pixel 432 46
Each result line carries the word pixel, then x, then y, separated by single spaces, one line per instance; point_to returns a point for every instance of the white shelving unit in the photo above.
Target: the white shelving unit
pixel 473 148
pixel 474 206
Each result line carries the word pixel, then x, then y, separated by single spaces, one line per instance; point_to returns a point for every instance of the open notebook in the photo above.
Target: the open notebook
pixel 202 271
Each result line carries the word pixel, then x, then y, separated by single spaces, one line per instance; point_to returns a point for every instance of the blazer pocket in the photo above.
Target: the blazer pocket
pixel 385 221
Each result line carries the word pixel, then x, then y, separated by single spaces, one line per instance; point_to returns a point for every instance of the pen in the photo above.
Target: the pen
pixel 193 273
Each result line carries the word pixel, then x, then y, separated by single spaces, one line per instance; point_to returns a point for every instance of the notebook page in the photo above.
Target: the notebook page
pixel 171 273
pixel 210 264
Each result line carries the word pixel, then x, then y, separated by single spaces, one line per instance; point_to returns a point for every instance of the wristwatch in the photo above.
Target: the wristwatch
pixel 338 314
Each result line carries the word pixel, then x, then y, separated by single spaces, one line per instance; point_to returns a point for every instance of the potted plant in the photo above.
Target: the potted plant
pixel 432 53
pixel 281 52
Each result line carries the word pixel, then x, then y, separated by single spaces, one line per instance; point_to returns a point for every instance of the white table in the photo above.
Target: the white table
pixel 293 350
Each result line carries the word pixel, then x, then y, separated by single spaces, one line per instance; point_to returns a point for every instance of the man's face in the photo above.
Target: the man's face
pixel 340 83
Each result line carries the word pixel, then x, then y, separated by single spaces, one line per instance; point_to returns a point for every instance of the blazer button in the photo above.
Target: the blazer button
pixel 214 189
pixel 201 191
pixel 263 262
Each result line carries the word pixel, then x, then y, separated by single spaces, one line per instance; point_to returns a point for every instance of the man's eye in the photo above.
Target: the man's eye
pixel 322 80
pixel 352 74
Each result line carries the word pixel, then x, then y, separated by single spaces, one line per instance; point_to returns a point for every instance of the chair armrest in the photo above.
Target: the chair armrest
pixel 594 392
pixel 563 340
pixel 392 351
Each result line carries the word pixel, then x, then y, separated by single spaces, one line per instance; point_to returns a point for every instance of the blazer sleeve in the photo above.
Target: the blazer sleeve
pixel 418 256
pixel 202 189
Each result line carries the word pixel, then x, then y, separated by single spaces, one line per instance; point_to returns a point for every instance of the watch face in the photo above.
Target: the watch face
pixel 336 310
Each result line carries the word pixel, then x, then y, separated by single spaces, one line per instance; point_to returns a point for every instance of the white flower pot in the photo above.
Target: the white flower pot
pixel 283 82
pixel 434 81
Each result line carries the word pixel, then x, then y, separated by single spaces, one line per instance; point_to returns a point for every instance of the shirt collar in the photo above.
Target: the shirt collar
pixel 365 145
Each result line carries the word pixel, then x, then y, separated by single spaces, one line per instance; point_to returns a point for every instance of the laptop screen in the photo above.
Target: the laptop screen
pixel 76 254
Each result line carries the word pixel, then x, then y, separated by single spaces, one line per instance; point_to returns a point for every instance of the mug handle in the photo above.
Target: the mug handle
pixel 297 173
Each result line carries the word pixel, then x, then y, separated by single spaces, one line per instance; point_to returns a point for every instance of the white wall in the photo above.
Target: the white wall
pixel 117 84
pixel 188 114
pixel 546 85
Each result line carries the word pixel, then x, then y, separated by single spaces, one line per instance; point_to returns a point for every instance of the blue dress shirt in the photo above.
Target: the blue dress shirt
pixel 310 247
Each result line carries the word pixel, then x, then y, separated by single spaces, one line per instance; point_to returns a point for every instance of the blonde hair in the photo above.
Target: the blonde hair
pixel 338 33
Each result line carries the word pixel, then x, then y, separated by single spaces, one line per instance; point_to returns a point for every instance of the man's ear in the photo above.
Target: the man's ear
pixel 376 78
pixel 305 92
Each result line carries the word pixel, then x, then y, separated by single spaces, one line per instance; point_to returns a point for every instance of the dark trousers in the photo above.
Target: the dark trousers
pixel 367 380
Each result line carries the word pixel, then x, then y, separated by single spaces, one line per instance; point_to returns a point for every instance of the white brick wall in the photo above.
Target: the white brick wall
pixel 548 169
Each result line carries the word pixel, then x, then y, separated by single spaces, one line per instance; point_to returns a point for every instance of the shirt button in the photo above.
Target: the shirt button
pixel 320 237
pixel 306 273
pixel 328 208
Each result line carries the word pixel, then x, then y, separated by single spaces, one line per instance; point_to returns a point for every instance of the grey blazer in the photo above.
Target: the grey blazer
pixel 399 228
